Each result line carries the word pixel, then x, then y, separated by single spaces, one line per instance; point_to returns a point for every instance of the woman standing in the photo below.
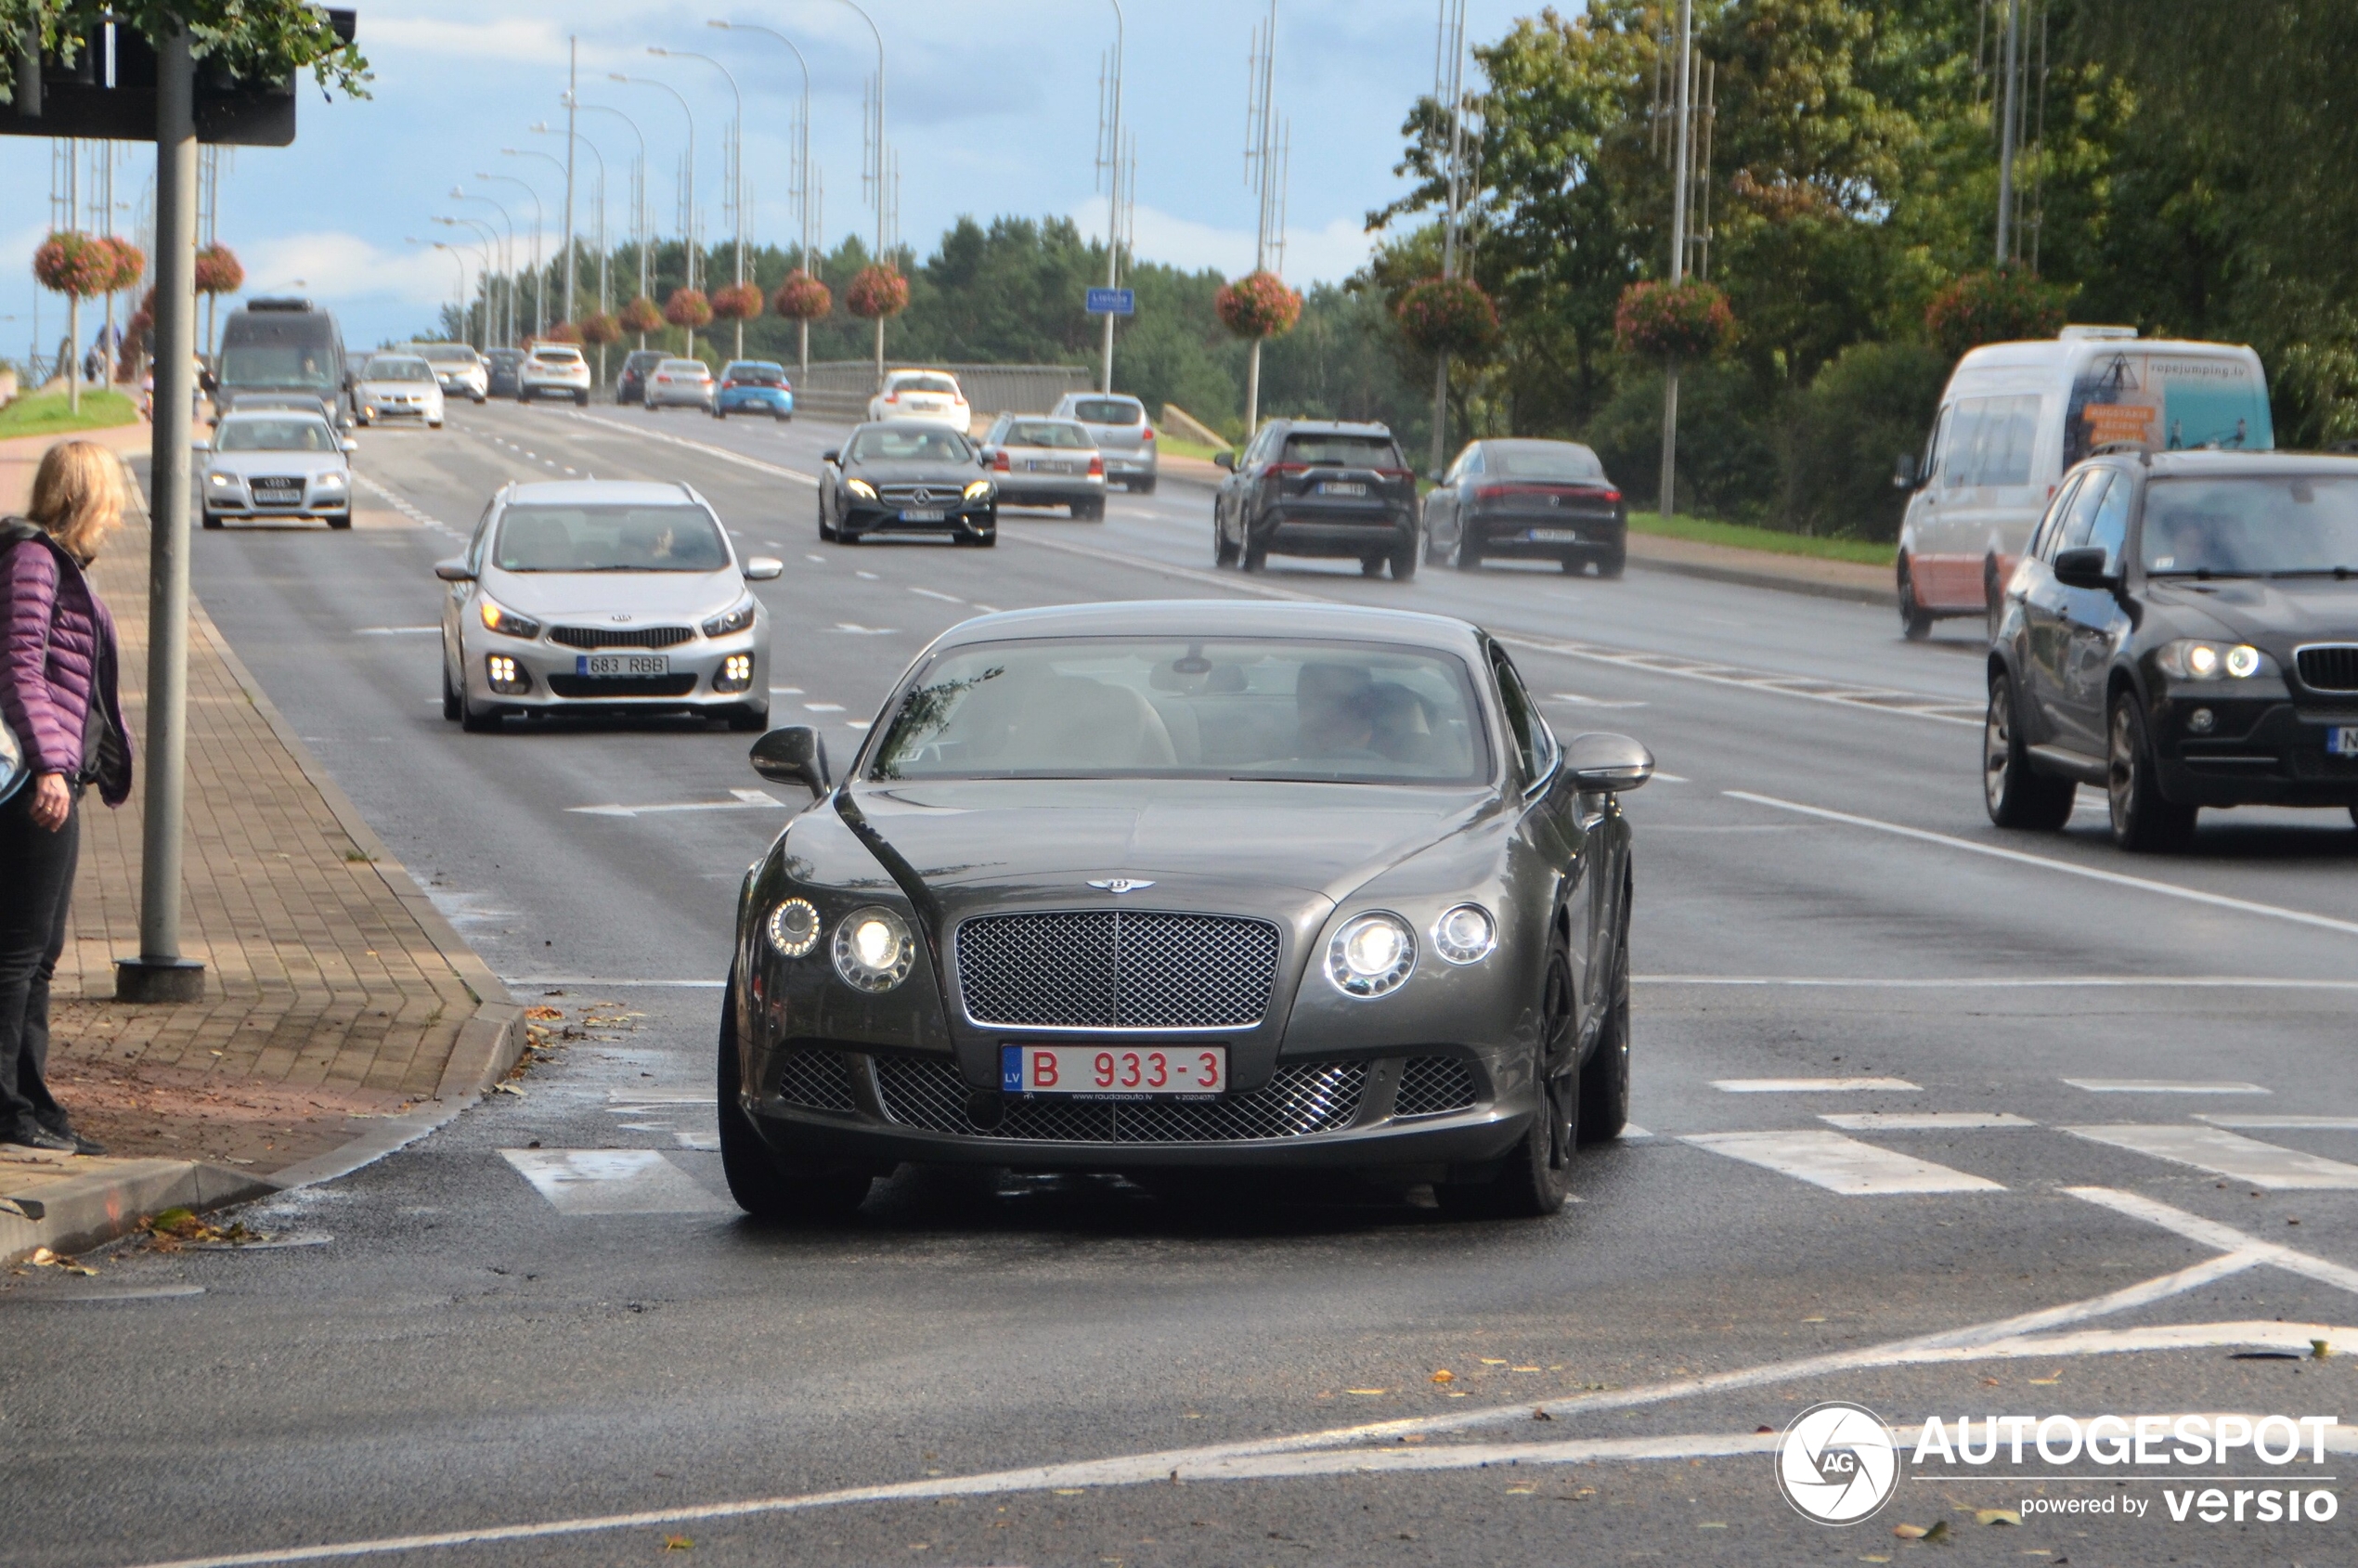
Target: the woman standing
pixel 58 694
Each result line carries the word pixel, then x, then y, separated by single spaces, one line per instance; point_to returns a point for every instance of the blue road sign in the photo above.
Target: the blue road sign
pixel 1113 302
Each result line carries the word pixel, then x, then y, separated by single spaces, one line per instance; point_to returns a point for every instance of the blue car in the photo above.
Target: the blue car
pixel 754 386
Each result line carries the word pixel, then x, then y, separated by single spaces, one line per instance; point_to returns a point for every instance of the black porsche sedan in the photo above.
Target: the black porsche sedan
pixel 1527 499
pixel 902 476
pixel 1150 887
pixel 2182 632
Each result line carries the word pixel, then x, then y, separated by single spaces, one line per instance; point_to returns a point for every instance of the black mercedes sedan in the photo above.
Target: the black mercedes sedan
pixel 1527 499
pixel 902 476
pixel 2183 630
pixel 1145 888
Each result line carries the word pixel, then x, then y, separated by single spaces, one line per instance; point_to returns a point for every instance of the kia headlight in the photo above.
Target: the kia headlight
pixel 979 489
pixel 1465 935
pixel 733 619
pixel 1371 955
pixel 873 949
pixel 507 622
pixel 861 488
pixel 793 927
pixel 2191 658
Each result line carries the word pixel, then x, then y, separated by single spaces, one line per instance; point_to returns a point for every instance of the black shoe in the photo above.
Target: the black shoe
pixel 80 1145
pixel 30 1134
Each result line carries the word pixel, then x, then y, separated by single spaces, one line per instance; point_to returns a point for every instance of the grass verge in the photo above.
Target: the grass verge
pixel 45 413
pixel 1179 448
pixel 1744 536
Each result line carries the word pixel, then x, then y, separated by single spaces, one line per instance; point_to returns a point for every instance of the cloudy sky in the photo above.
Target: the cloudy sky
pixel 992 107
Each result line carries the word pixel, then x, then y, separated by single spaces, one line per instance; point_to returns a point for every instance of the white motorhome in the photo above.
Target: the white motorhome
pixel 2016 415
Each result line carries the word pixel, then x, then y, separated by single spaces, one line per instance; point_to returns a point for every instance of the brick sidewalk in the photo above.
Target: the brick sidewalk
pixel 333 989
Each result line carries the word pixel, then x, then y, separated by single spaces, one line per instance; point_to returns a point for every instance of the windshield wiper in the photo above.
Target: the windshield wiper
pixel 2339 573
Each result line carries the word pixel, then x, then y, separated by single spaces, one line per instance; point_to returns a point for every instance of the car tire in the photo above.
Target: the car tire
pixel 826 531
pixel 757 1179
pixel 1147 487
pixel 484 722
pixel 1604 1077
pixel 1403 561
pixel 433 424
pixel 339 524
pixel 749 720
pixel 1536 1177
pixel 1256 557
pixel 1915 621
pixel 478 396
pixel 721 413
pixel 2141 819
pixel 453 707
pixel 1223 551
pixel 1462 556
pixel 1372 566
pixel 2015 794
pixel 581 400
pixel 213 520
pixel 1614 562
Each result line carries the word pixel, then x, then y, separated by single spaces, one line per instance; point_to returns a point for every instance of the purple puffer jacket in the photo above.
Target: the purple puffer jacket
pixel 52 627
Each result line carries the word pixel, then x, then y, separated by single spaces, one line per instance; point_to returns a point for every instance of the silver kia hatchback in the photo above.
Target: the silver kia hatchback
pixel 604 596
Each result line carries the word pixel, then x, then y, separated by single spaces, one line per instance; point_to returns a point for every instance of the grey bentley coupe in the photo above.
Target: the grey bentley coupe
pixel 1146 887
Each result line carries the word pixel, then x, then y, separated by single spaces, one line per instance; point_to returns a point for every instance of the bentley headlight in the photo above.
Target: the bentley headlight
pixel 733 619
pixel 1465 935
pixel 1371 955
pixel 2192 659
pixel 979 489
pixel 793 927
pixel 861 488
pixel 507 622
pixel 873 949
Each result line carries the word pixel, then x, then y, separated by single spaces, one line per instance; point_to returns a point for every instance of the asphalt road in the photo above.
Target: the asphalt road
pixel 543 1336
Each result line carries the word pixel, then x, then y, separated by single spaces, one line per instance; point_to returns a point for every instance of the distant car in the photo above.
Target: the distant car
pixel 754 386
pixel 1521 499
pixel 902 477
pixel 276 463
pixel 604 595
pixel 679 383
pixel 553 370
pixel 925 397
pixel 397 386
pixel 631 386
pixel 1317 487
pixel 1046 462
pixel 458 367
pixel 501 371
pixel 1120 427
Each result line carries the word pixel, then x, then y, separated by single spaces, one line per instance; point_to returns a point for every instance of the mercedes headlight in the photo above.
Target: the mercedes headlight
pixel 793 927
pixel 1371 955
pixel 861 488
pixel 873 949
pixel 735 619
pixel 1465 935
pixel 507 622
pixel 2192 659
pixel 979 489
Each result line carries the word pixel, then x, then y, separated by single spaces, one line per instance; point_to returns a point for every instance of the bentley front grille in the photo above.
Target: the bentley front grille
pixel 816 1078
pixel 1304 1097
pixel 1434 1086
pixel 1117 969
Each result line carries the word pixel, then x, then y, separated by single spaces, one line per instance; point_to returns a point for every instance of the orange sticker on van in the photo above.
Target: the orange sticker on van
pixel 2119 422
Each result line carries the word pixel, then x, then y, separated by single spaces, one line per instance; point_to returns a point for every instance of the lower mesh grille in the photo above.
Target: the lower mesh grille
pixel 1434 1086
pixel 1304 1097
pixel 818 1079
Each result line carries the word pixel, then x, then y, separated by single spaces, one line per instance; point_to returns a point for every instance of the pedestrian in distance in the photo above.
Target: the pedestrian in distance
pixel 58 698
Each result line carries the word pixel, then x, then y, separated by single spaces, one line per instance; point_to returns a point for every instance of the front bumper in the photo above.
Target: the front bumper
pixel 694 679
pixel 465 386
pixel 972 519
pixel 411 408
pixel 1307 531
pixel 2268 751
pixel 239 500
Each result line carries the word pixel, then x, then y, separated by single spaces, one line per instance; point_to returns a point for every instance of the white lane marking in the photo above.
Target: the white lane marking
pixel 1661 777
pixel 2232 1243
pixel 742 800
pixel 773 544
pixel 1840 1164
pixel 1808 1085
pixel 867 577
pixel 1580 701
pixel 823 707
pixel 821 558
pixel 857 723
pixel 611 1181
pixel 2000 982
pixel 395 631
pixel 1922 1121
pixel 590 982
pixel 401 505
pixel 2163 1086
pixel 2287 1123
pixel 853 629
pixel 1633 1133
pixel 2226 1154
pixel 785 691
pixel 723 453
pixel 2117 879
pixel 987 609
pixel 945 598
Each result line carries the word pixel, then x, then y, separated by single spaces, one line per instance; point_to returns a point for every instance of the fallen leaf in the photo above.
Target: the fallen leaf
pixel 1996 1516
pixel 544 1012
pixel 1522 1368
pixel 1910 1532
pixel 1711 1527
pixel 677 1543
pixel 1493 1360
pixel 507 1089
pixel 1518 1491
pixel 1071 1491
pixel 1939 1530
pixel 1541 1415
pixel 1371 1392
pixel 1444 1376
pixel 2319 1350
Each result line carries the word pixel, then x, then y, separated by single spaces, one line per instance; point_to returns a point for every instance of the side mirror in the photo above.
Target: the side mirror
pixel 2089 566
pixel 454 570
pixel 348 447
pixel 761 568
pixel 1607 764
pixel 795 755
pixel 201 445
pixel 1903 472
pixel 1225 459
pixel 830 456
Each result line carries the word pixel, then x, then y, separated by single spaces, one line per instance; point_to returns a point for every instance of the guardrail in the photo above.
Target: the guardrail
pixel 841 388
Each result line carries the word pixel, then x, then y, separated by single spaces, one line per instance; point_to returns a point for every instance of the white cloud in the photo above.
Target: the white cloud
pixel 333 266
pixel 1313 256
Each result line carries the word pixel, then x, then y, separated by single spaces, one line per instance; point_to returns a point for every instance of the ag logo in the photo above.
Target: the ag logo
pixel 1837 1463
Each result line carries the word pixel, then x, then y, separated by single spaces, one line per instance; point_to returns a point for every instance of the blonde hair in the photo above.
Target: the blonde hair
pixel 77 496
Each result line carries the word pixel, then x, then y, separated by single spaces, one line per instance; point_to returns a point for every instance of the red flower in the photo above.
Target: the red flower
pixel 601 329
pixel 802 298
pixel 82 265
pixel 689 308
pixel 219 271
pixel 739 302
pixel 642 315
pixel 2006 306
pixel 1688 320
pixel 1258 305
pixel 1448 315
pixel 878 290
pixel 562 331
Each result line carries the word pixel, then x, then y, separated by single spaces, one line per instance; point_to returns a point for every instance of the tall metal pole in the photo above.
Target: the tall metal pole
pixel 2006 133
pixel 1113 190
pixel 802 160
pixel 1669 478
pixel 1450 87
pixel 884 173
pixel 507 257
pixel 160 973
pixel 688 207
pixel 737 167
pixel 573 80
pixel 638 194
pixel 540 272
pixel 1262 150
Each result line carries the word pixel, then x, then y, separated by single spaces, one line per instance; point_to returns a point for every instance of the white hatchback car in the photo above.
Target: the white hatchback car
pixel 928 396
pixel 553 370
pixel 397 386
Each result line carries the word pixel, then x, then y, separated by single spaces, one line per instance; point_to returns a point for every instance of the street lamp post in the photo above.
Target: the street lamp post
pixel 488 240
pixel 541 128
pixel 688 207
pixel 883 169
pixel 638 194
pixel 1113 191
pixel 736 165
pixel 802 164
pixel 464 331
pixel 565 305
pixel 539 273
pixel 507 253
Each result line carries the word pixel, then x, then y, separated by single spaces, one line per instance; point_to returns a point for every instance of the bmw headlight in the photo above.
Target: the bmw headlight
pixel 2192 659
pixel 507 622
pixel 1371 955
pixel 873 949
pixel 1465 935
pixel 979 489
pixel 735 619
pixel 861 488
pixel 793 927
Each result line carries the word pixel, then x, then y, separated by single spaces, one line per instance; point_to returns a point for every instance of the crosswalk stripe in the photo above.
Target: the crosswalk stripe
pixel 2225 1154
pixel 1840 1164
pixel 2164 1086
pixel 1806 1085
pixel 612 1181
pixel 2262 1123
pixel 1923 1121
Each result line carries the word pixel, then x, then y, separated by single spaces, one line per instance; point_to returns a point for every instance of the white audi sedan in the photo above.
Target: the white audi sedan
pixel 604 596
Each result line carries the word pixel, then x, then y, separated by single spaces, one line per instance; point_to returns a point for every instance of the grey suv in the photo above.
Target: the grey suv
pixel 1317 487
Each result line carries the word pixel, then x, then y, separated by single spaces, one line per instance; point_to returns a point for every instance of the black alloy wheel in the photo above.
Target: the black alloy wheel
pixel 2016 794
pixel 1465 554
pixel 213 520
pixel 1146 486
pixel 1536 1175
pixel 1604 1077
pixel 1915 621
pixel 757 1179
pixel 2142 820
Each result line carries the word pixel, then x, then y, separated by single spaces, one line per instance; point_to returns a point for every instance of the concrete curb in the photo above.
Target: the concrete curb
pixel 1746 576
pixel 84 1208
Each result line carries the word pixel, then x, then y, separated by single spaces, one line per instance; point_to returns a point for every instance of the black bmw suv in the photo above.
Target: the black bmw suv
pixel 631 386
pixel 1317 487
pixel 2183 632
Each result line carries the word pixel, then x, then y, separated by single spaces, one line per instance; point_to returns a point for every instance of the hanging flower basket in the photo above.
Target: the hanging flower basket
pixel 1448 315
pixel 802 298
pixel 739 302
pixel 1688 320
pixel 878 291
pixel 130 265
pixel 689 308
pixel 81 267
pixel 642 315
pixel 2006 306
pixel 563 331
pixel 1258 305
pixel 219 271
pixel 601 329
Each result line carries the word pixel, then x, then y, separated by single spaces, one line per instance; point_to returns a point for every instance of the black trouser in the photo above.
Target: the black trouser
pixel 36 888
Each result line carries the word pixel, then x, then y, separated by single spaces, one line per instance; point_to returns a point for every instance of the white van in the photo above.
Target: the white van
pixel 2016 415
